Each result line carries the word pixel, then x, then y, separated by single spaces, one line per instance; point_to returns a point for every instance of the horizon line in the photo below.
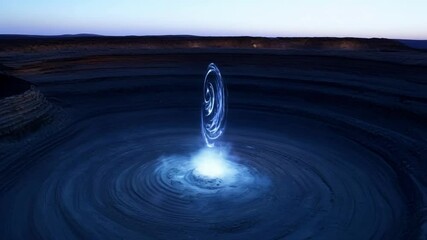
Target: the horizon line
pixel 190 35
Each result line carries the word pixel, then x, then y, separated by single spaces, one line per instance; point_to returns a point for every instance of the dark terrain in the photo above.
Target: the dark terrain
pixel 332 132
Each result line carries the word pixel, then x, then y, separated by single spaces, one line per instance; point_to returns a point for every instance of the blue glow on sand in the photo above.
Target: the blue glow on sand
pixel 213 163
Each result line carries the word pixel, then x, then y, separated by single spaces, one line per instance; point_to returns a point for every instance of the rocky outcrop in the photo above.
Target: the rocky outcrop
pixel 10 85
pixel 23 112
pixel 26 117
pixel 23 108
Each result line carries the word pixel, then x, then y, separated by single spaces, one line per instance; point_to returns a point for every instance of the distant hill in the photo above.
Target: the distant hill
pixel 20 36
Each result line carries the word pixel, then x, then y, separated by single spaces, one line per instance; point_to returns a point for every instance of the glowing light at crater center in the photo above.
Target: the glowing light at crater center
pixel 212 163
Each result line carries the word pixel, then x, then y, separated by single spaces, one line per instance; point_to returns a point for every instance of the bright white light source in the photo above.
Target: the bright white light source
pixel 211 163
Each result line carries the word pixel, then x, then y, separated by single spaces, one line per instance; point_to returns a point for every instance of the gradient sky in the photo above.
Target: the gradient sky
pixel 405 19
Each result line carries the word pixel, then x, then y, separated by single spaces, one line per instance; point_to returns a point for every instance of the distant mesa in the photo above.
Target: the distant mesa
pixel 64 42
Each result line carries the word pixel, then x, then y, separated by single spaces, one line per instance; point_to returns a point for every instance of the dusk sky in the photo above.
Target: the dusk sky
pixel 404 19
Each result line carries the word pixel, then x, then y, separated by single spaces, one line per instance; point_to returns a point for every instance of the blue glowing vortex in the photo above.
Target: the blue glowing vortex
pixel 214 106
